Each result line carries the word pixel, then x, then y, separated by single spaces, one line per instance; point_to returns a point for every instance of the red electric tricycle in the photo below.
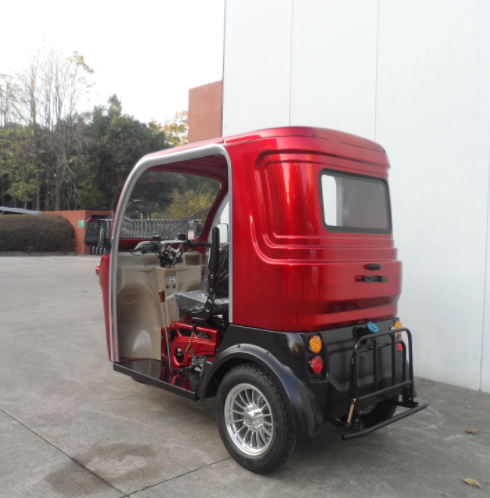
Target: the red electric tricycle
pixel 260 269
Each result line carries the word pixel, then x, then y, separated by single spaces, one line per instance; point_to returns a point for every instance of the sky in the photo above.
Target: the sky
pixel 149 53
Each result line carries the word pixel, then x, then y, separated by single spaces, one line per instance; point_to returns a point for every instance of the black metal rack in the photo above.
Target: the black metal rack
pixel 406 385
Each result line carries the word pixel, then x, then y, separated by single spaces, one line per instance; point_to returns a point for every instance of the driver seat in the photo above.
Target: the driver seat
pixel 207 302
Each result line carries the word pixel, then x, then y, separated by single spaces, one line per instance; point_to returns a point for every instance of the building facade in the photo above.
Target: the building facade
pixel 205 111
pixel 414 77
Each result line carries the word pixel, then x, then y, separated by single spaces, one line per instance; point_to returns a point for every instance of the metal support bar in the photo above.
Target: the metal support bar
pixel 377 342
pixel 391 420
pixel 383 391
pixel 161 293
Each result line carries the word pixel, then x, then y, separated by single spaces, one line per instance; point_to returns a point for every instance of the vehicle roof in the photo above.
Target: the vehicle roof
pixel 284 131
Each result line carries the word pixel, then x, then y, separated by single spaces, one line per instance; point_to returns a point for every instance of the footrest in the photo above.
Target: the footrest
pixel 396 418
pixel 156 373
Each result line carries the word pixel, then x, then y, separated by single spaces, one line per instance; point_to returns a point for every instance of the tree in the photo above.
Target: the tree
pixel 45 98
pixel 177 129
pixel 18 163
pixel 8 91
pixel 115 143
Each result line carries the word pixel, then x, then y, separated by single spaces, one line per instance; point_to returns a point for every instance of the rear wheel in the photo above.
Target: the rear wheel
pixel 254 421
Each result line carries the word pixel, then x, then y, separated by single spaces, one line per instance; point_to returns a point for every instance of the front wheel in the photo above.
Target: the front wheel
pixel 254 421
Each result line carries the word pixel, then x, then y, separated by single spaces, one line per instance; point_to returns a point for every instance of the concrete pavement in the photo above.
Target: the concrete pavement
pixel 70 426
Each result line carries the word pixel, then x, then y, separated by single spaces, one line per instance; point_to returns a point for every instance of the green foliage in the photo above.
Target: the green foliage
pixel 177 129
pixel 191 201
pixel 170 195
pixel 36 233
pixel 18 161
pixel 42 151
pixel 116 142
pixel 53 156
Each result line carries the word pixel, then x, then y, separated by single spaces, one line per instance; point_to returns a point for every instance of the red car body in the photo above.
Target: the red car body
pixel 293 273
pixel 292 277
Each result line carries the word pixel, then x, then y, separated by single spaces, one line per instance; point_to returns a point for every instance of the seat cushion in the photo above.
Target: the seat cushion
pixel 195 301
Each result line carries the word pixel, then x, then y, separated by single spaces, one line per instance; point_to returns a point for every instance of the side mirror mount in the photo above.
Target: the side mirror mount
pixel 223 233
pixel 194 229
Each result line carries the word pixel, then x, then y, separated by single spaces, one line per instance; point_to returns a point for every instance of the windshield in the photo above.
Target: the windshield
pixel 354 203
pixel 162 202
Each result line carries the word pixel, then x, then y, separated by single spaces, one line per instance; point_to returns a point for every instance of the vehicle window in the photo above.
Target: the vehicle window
pixel 353 203
pixel 162 202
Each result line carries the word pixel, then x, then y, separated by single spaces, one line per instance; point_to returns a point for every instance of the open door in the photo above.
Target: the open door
pixel 161 196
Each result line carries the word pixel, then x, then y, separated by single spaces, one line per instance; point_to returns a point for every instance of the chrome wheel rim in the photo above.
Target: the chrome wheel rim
pixel 249 420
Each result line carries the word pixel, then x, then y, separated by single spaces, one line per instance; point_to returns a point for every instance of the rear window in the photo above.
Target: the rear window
pixel 353 203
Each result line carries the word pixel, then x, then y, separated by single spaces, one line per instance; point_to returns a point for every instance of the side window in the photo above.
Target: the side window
pixel 354 203
pixel 162 202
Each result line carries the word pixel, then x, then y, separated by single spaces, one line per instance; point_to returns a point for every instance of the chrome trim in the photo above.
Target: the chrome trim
pixel 142 165
pixel 248 416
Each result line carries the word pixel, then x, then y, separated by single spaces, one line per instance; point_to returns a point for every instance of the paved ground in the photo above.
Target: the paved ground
pixel 70 426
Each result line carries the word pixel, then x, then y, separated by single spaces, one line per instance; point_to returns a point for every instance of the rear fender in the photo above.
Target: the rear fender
pixel 306 414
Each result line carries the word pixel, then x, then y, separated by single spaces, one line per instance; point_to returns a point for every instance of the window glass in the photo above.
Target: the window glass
pixel 162 202
pixel 354 203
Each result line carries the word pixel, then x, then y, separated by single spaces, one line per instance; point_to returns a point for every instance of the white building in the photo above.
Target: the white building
pixel 413 76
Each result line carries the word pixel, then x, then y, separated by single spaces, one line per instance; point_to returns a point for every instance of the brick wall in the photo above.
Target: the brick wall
pixel 205 104
pixel 74 217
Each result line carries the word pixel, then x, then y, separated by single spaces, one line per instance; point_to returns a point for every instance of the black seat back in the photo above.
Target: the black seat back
pixel 218 268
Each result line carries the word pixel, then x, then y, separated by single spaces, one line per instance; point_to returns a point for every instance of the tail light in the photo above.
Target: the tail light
pixel 315 344
pixel 398 325
pixel 316 364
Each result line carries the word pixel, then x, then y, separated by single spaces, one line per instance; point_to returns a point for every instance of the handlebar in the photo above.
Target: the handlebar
pixel 155 246
pixel 149 248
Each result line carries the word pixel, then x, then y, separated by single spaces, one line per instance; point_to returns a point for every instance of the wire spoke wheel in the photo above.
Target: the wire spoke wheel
pixel 249 419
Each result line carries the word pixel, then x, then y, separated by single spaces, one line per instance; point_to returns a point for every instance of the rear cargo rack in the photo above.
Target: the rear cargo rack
pixel 406 385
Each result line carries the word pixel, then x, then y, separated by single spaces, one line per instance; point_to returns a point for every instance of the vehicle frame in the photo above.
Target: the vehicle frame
pixel 367 354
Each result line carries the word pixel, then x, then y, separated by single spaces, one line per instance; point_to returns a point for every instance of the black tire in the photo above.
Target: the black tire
pixel 283 439
pixel 381 412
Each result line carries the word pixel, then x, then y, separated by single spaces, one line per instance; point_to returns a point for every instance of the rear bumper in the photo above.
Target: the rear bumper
pixel 364 432
pixel 401 382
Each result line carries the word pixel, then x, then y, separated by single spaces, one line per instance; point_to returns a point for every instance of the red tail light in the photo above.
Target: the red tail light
pixel 316 364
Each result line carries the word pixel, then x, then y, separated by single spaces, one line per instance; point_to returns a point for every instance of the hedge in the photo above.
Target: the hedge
pixel 36 233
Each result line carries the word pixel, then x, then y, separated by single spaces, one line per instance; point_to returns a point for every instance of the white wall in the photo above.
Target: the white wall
pixel 257 65
pixel 415 77
pixel 333 69
pixel 433 117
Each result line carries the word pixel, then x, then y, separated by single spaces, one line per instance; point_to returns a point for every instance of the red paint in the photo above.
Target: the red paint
pixel 287 268
pixel 289 272
pixel 104 284
pixel 180 333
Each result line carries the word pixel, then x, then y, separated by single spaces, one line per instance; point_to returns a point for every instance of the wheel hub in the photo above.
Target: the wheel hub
pixel 253 418
pixel 249 421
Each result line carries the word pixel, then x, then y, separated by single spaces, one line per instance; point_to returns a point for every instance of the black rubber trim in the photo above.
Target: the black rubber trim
pixel 152 381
